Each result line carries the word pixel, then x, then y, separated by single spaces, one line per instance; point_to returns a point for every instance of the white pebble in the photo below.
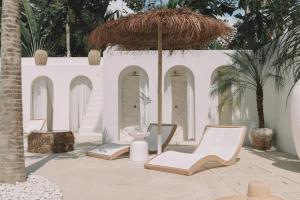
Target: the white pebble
pixel 35 188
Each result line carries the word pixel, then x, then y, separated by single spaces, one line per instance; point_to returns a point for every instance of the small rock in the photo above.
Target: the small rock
pixel 35 188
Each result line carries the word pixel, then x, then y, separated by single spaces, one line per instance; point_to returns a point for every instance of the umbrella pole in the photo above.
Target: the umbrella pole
pixel 159 88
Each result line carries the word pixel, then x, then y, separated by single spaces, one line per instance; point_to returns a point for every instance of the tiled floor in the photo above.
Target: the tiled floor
pixel 82 177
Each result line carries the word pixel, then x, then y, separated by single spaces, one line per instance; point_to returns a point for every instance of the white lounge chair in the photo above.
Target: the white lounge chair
pixel 34 125
pixel 167 132
pixel 111 151
pixel 220 144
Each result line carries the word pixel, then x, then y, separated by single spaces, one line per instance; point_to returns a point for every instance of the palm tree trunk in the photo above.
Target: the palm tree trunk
pixel 159 90
pixel 12 165
pixel 68 45
pixel 260 106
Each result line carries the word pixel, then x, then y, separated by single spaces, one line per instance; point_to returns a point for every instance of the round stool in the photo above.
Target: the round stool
pixel 139 147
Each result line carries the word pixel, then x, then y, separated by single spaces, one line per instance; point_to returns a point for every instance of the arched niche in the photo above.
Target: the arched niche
pixel 222 103
pixel 133 100
pixel 179 101
pixel 80 93
pixel 42 100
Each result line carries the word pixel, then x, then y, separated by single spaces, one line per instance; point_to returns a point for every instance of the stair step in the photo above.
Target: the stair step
pixel 93 111
pixel 88 122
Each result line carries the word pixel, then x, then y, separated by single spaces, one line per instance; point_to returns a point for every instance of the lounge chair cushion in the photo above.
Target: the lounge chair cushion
pixel 219 144
pixel 167 132
pixel 223 142
pixel 108 149
pixel 175 160
pixel 34 125
pixel 111 151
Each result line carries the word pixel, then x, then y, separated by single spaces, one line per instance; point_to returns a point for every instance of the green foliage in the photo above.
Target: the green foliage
pixel 135 5
pixel 289 55
pixel 43 24
pixel 32 36
pixel 216 45
pixel 171 4
pixel 250 70
pixel 261 23
pixel 175 3
pixel 206 7
pixel 53 15
pixel 31 20
pixel 213 7
pixel 84 17
pixel 42 27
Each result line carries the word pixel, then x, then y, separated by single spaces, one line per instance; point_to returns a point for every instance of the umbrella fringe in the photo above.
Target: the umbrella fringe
pixel 182 29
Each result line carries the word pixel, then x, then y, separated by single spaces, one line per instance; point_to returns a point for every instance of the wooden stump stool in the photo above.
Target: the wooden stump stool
pixel 51 142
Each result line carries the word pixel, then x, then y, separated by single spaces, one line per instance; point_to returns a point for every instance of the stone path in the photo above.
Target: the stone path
pixel 82 177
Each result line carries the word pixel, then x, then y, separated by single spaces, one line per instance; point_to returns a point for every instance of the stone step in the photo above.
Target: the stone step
pixel 93 111
pixel 89 122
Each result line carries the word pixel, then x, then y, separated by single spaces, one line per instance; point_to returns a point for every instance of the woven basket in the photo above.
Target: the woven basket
pixel 51 142
pixel 40 57
pixel 261 142
pixel 94 57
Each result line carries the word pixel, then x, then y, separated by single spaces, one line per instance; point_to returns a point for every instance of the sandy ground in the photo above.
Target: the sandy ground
pixel 87 178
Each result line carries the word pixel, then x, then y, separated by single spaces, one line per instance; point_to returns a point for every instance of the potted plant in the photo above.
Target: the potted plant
pixel 250 70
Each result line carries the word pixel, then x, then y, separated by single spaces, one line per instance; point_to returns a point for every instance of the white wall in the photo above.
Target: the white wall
pixel 61 71
pixel 201 63
pixel 277 114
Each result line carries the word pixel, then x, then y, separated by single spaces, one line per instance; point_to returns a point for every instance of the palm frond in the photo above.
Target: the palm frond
pixel 33 26
pixel 290 44
pixel 278 79
pixel 173 3
pixel 32 38
pixel 250 70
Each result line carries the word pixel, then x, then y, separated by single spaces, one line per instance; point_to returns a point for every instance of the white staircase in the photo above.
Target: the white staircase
pixel 92 121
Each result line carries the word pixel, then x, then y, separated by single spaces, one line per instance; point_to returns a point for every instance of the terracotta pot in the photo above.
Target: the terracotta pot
pixel 262 138
pixel 40 57
pixel 94 57
pixel 253 126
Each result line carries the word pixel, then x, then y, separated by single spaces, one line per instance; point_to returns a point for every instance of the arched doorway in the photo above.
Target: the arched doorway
pixel 80 94
pixel 42 100
pixel 179 101
pixel 223 103
pixel 133 100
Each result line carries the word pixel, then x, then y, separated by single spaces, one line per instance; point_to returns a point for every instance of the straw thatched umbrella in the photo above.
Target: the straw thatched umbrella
pixel 169 29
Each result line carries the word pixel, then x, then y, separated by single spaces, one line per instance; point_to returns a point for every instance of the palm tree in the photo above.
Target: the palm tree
pixel 262 21
pixel 12 165
pixel 290 42
pixel 32 37
pixel 250 70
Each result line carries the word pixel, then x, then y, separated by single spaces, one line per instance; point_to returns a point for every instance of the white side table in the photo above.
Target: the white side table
pixel 139 147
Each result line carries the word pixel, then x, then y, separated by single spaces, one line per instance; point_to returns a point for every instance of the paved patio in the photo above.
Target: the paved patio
pixel 82 177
